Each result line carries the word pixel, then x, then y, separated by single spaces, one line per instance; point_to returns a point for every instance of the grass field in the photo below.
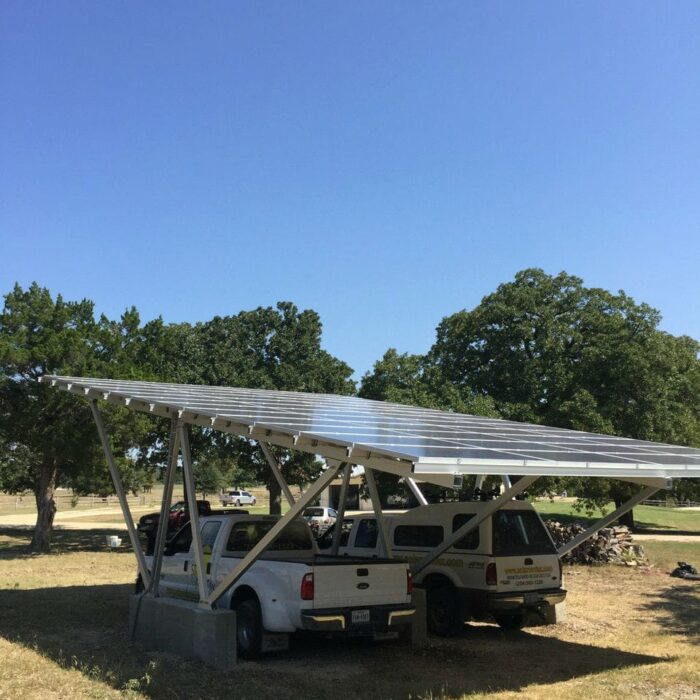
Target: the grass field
pixel 647 518
pixel 629 634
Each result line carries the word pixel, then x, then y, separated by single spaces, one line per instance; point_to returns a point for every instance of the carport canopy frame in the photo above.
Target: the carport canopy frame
pixel 420 445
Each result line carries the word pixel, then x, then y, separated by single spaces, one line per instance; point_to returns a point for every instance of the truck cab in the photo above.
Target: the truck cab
pixel 507 569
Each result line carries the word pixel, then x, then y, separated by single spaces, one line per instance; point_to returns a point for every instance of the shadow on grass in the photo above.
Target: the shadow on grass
pixel 677 608
pixel 85 628
pixel 62 541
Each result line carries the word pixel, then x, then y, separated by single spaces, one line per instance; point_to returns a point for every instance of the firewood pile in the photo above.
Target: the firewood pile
pixel 611 545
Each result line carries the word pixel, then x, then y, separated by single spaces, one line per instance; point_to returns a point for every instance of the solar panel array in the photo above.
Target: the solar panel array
pixel 432 441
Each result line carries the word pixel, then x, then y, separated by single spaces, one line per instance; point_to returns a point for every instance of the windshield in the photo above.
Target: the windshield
pixel 517 532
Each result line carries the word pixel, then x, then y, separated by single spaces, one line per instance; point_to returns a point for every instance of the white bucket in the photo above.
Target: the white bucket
pixel 113 541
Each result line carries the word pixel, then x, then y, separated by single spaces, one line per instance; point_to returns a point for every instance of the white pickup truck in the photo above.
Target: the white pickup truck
pixel 291 587
pixel 506 569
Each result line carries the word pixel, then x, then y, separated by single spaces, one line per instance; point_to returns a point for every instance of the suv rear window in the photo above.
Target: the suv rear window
pixel 517 532
pixel 244 536
pixel 313 513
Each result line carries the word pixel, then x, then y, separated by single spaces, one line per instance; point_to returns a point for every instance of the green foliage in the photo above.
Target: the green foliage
pixel 546 349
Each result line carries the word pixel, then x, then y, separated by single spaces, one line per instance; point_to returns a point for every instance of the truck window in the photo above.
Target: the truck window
pixel 471 539
pixel 366 534
pixel 209 533
pixel 244 536
pixel 181 542
pixel 418 535
pixel 517 532
pixel 325 541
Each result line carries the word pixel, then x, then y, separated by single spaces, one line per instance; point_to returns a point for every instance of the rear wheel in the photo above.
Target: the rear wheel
pixel 249 628
pixel 443 614
pixel 510 622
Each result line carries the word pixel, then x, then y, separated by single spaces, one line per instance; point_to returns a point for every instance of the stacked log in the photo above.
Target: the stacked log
pixel 611 545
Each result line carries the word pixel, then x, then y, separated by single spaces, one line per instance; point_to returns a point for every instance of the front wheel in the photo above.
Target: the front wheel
pixel 443 611
pixel 249 628
pixel 510 622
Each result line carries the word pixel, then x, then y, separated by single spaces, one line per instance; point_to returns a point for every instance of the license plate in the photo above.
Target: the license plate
pixel 360 616
pixel 531 598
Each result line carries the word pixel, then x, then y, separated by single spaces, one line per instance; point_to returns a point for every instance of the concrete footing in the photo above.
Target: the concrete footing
pixel 183 628
pixel 419 620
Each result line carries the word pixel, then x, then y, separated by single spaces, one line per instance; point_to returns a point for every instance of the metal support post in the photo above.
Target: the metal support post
pixel 479 483
pixel 342 502
pixel 274 532
pixel 168 482
pixel 627 506
pixel 474 522
pixel 119 488
pixel 506 481
pixel 415 490
pixel 277 472
pixel 377 507
pixel 194 511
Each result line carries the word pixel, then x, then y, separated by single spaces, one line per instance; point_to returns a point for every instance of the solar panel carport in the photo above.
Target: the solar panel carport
pixel 418 444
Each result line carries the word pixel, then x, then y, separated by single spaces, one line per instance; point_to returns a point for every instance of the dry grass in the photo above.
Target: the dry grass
pixel 629 634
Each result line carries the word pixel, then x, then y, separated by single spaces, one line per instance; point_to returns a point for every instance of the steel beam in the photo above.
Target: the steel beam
pixel 599 524
pixel 119 488
pixel 168 482
pixel 474 522
pixel 277 471
pixel 188 478
pixel 377 507
pixel 249 559
pixel 415 490
pixel 342 502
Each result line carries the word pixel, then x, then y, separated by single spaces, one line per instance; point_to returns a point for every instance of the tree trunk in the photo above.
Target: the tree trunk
pixel 628 518
pixel 45 507
pixel 275 496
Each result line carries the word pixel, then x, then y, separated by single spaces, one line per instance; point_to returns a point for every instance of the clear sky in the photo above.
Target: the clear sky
pixel 384 163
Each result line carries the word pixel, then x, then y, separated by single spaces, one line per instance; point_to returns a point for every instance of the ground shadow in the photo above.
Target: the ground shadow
pixel 62 541
pixel 85 627
pixel 677 608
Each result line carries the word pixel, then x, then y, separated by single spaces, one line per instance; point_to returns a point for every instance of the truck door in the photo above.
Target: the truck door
pixel 175 572
pixel 210 530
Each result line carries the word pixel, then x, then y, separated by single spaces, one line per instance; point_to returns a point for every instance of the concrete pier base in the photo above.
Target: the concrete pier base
pixel 419 620
pixel 183 628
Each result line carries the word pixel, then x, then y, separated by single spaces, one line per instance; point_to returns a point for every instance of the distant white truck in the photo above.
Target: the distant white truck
pixel 237 497
pixel 506 569
pixel 291 587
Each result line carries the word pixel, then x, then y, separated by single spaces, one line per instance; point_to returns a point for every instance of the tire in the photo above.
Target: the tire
pixel 443 613
pixel 511 622
pixel 237 503
pixel 249 628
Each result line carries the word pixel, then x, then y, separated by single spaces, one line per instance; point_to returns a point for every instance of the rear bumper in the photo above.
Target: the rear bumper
pixel 479 603
pixel 525 600
pixel 381 618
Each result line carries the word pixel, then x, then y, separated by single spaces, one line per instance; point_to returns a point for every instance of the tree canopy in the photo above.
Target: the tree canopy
pixel 546 349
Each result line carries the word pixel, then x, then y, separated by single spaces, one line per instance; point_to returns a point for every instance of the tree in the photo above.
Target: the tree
pixel 271 348
pixel 49 437
pixel 549 350
pixel 266 348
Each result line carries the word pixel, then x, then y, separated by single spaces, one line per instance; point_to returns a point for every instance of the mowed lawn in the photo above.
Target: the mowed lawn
pixel 647 518
pixel 629 634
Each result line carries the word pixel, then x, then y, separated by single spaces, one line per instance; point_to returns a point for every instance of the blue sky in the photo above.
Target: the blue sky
pixel 385 163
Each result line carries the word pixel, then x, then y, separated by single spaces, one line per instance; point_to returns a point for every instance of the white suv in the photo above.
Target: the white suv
pixel 237 498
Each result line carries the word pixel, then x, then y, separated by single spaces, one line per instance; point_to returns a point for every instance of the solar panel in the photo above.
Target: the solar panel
pixel 403 439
